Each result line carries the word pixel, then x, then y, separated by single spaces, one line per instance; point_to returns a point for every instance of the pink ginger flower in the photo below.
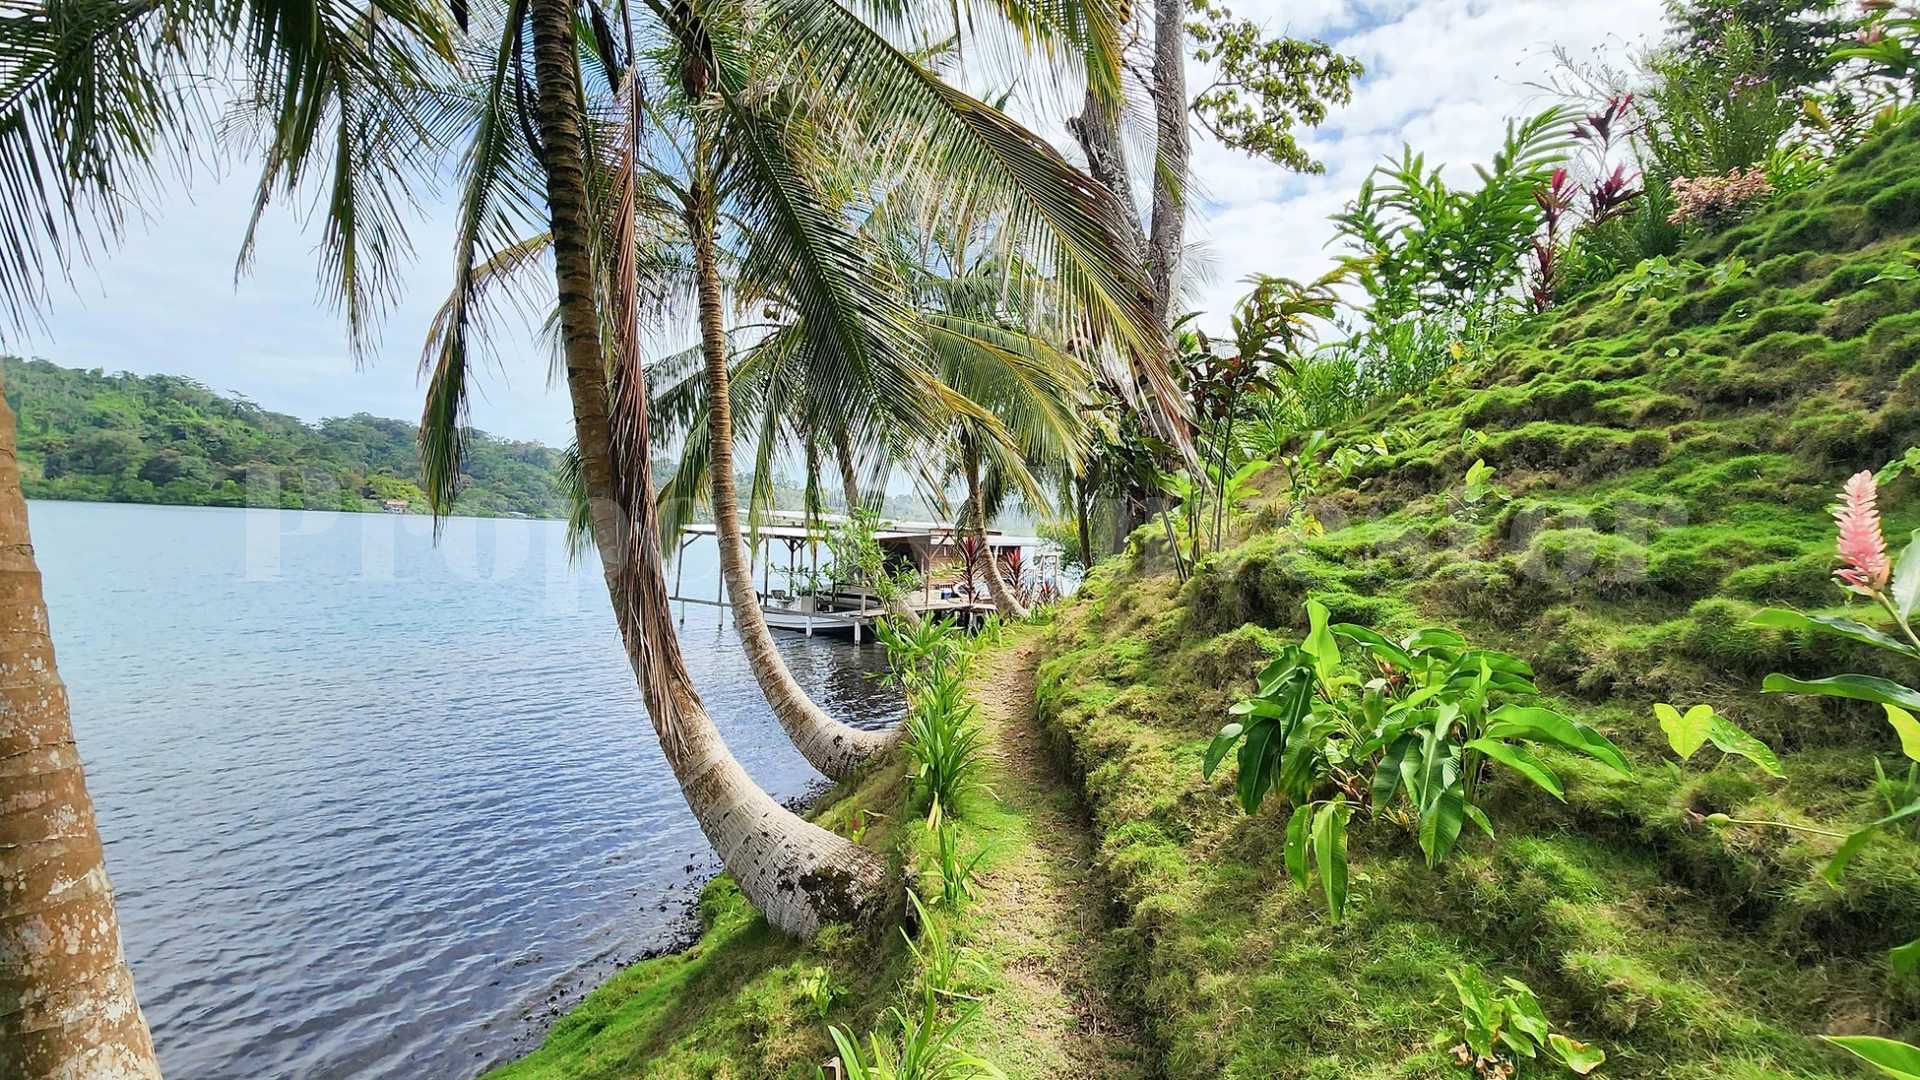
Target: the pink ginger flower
pixel 1861 546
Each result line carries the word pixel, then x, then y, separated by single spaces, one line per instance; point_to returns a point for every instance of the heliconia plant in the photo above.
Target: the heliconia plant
pixel 1408 731
pixel 1893 584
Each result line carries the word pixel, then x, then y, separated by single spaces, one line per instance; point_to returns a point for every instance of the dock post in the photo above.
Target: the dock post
pixel 679 567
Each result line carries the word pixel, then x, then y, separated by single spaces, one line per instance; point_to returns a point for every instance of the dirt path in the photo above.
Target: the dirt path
pixel 1042 925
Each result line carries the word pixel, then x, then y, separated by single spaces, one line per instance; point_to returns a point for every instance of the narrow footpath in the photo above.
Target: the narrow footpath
pixel 1040 901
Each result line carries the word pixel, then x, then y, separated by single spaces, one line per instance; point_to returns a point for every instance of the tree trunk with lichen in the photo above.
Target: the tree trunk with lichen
pixel 797 874
pixel 830 746
pixel 67 1006
pixel 1167 240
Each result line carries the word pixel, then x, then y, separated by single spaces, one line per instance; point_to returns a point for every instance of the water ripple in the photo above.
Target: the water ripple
pixel 372 808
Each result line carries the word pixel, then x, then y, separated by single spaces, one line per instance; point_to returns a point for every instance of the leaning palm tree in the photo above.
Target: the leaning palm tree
pixel 585 152
pixel 98 99
pixel 742 187
pixel 68 1006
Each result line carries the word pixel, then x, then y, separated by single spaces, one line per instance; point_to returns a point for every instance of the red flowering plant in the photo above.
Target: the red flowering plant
pixel 1893 585
pixel 1565 207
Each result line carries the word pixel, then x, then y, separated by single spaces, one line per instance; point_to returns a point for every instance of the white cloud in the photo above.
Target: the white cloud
pixel 1441 74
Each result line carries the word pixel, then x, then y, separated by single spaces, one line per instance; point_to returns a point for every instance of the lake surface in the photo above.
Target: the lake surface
pixel 376 808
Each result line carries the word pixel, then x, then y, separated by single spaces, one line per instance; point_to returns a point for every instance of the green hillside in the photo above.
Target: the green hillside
pixel 91 436
pixel 1666 449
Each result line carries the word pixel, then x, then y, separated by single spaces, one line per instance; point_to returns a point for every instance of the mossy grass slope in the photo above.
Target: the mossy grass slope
pixel 1667 463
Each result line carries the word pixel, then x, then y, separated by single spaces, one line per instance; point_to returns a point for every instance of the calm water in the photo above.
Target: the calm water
pixel 375 808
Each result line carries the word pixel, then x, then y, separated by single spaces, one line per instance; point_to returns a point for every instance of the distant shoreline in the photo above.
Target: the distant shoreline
pixel 370 512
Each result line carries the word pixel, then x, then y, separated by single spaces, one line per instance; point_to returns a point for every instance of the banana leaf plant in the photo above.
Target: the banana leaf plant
pixel 1404 730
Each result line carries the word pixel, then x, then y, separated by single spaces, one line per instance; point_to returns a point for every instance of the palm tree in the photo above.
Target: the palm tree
pixel 68 1007
pixel 98 98
pixel 746 196
pixel 797 874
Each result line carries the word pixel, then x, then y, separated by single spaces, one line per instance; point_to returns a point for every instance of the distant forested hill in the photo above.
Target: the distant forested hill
pixel 96 437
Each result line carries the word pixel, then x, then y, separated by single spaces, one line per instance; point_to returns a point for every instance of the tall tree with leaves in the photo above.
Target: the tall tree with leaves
pixel 1263 88
pixel 99 100
pixel 590 152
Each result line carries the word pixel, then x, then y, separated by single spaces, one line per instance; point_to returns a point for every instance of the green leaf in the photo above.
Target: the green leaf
pixel 1896 1059
pixel 1217 750
pixel 1577 1056
pixel 1905 960
pixel 1320 643
pixel 1545 725
pixel 1686 732
pixel 1434 637
pixel 1330 852
pixel 1479 817
pixel 1858 687
pixel 1517 759
pixel 1908 729
pixel 1857 840
pixel 1386 775
pixel 1730 739
pixel 1273 673
pixel 1782 619
pixel 1528 1018
pixel 1380 646
pixel 1297 827
pixel 1442 812
pixel 1906 577
pixel 1256 774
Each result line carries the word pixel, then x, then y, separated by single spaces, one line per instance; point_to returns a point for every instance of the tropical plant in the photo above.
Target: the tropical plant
pixel 1505 1024
pixel 940 962
pixel 924 1051
pixel 859 559
pixel 1272 326
pixel 1688 731
pixel 819 989
pixel 954 869
pixel 1478 488
pixel 1421 245
pixel 918 651
pixel 1717 202
pixel 1893 586
pixel 1715 109
pixel 942 739
pixel 1421 728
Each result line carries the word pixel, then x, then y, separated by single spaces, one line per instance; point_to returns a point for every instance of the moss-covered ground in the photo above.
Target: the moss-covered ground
pixel 1666 464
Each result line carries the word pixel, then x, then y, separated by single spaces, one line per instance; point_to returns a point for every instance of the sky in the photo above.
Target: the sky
pixel 1443 75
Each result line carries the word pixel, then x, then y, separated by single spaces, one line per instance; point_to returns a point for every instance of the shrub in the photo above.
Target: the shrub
pixel 1717 202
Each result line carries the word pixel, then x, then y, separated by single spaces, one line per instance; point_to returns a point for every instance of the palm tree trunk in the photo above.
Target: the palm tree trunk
pixel 828 745
pixel 849 476
pixel 1082 513
pixel 1167 241
pixel 797 874
pixel 1004 601
pixel 1097 130
pixel 67 1006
